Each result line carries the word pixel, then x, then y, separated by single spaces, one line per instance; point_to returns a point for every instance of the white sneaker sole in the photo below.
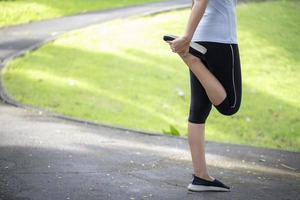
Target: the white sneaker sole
pixel 193 45
pixel 201 188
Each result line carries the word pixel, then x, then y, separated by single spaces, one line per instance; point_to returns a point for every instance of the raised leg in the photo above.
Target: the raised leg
pixel 214 89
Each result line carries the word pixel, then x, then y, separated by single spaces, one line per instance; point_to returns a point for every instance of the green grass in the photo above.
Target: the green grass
pixel 23 11
pixel 101 73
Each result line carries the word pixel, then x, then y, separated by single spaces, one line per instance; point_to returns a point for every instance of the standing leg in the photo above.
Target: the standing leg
pixel 200 107
pixel 217 83
pixel 196 138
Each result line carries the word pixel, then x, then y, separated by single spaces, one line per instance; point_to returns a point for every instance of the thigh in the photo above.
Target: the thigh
pixel 200 104
pixel 223 61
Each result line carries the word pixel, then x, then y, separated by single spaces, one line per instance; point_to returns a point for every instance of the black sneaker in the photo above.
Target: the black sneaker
pixel 195 48
pixel 198 185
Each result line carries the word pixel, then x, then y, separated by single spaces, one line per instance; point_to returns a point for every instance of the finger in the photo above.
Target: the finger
pixel 173 48
pixel 186 53
pixel 180 52
pixel 182 55
pixel 183 51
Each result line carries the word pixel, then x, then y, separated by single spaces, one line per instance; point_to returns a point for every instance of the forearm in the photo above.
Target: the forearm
pixel 198 9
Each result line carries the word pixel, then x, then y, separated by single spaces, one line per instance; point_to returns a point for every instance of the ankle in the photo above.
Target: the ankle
pixel 204 176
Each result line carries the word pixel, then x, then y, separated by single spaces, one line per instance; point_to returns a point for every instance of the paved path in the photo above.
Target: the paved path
pixel 46 157
pixel 42 157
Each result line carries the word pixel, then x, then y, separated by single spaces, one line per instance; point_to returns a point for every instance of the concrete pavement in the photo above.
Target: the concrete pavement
pixel 43 157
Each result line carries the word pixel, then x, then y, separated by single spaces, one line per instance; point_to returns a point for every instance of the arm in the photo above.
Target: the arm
pixel 197 12
pixel 181 44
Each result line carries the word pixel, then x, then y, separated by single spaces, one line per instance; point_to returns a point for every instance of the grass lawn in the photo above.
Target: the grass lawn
pixel 23 11
pixel 102 73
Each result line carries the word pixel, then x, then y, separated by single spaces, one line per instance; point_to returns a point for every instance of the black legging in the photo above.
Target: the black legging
pixel 223 61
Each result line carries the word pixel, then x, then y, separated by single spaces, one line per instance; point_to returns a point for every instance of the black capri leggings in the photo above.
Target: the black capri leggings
pixel 223 61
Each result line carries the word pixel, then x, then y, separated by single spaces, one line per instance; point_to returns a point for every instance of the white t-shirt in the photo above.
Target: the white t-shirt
pixel 218 23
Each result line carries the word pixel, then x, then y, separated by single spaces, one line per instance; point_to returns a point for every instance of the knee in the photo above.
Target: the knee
pixel 196 119
pixel 227 110
pixel 199 116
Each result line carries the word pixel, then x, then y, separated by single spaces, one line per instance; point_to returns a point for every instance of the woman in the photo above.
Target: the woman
pixel 215 78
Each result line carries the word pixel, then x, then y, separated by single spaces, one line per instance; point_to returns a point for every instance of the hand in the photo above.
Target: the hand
pixel 180 45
